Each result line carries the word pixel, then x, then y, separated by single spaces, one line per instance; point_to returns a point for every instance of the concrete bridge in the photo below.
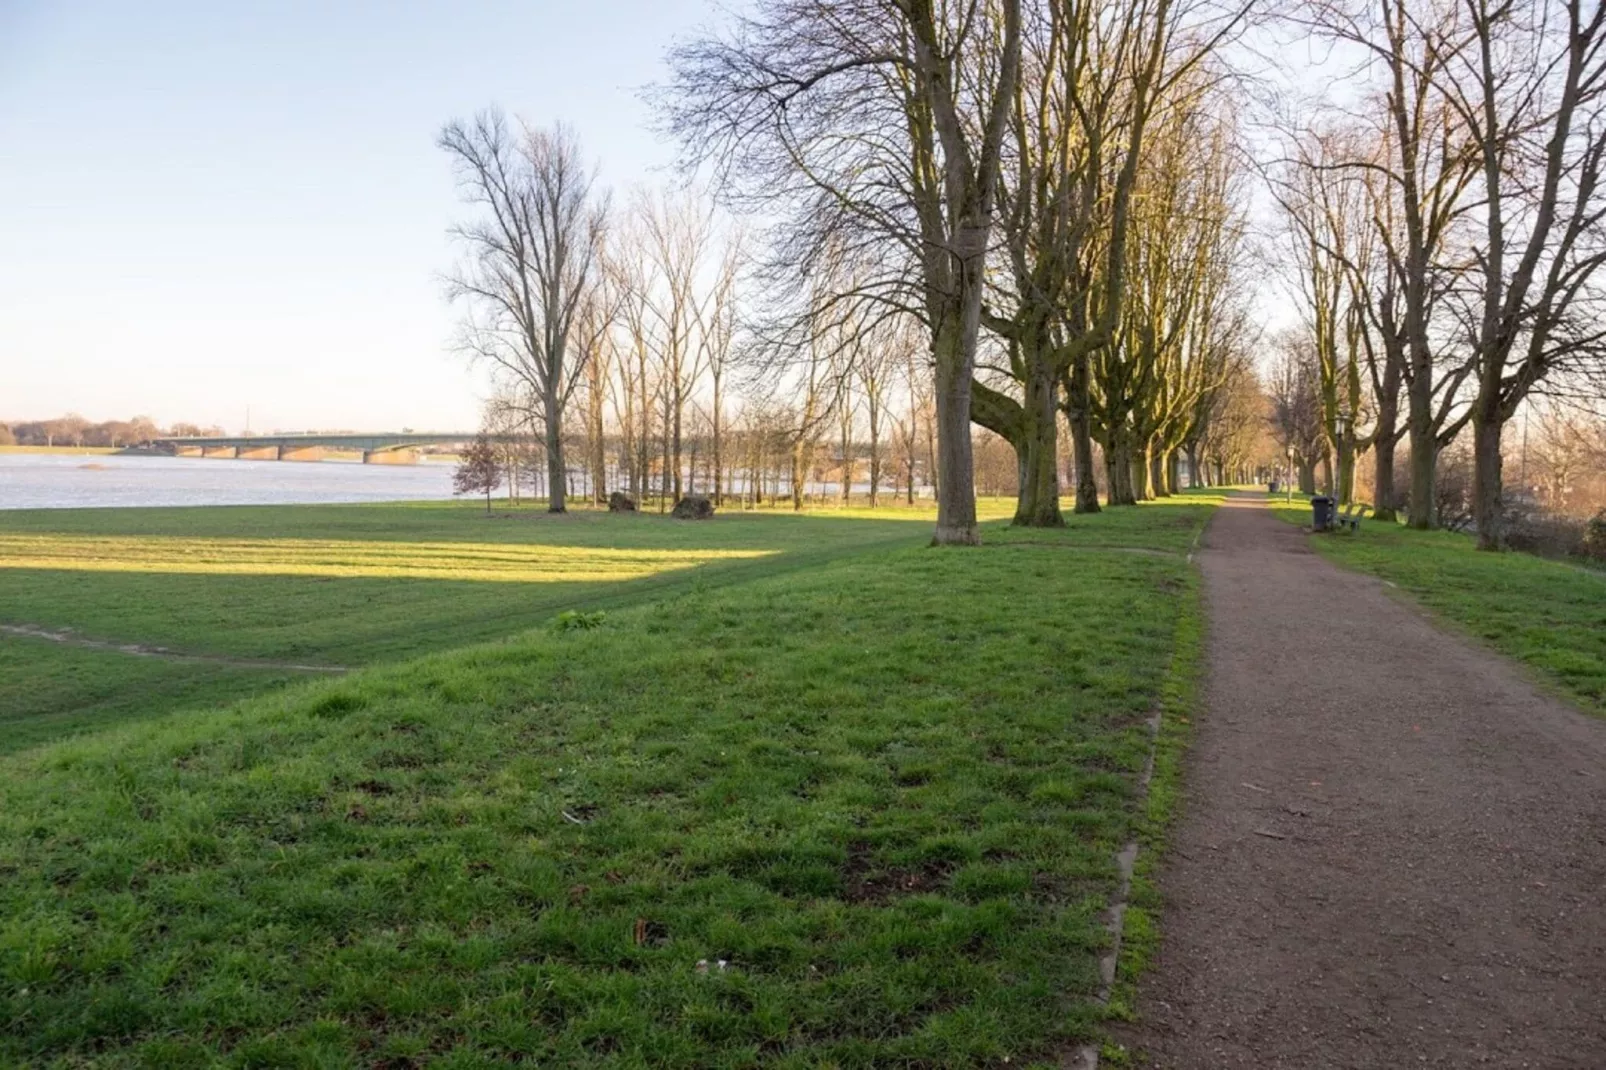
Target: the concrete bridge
pixel 376 447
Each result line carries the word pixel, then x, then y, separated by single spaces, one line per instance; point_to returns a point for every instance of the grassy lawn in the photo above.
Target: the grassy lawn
pixel 1550 615
pixel 854 804
pixel 342 586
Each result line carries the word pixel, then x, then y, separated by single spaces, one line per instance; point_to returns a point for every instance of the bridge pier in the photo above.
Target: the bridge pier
pixel 403 456
pixel 301 453
pixel 258 453
pixel 220 451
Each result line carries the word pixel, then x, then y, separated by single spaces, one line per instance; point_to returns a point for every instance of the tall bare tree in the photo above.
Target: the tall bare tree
pixel 1424 165
pixel 529 259
pixel 1530 92
pixel 875 128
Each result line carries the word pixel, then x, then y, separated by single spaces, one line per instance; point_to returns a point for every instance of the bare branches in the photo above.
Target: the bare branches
pixel 529 261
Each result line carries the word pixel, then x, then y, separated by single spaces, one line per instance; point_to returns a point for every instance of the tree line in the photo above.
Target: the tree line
pixel 1023 216
pixel 75 430
pixel 1444 231
pixel 901 219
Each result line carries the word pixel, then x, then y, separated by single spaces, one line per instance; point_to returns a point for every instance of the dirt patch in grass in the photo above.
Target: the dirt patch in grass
pixel 865 880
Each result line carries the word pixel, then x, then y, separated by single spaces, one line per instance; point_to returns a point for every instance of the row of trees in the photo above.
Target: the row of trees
pixel 1446 235
pixel 1026 215
pixel 1032 215
pixel 623 337
pixel 75 430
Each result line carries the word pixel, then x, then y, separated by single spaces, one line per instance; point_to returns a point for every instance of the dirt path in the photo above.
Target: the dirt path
pixel 1392 851
pixel 139 650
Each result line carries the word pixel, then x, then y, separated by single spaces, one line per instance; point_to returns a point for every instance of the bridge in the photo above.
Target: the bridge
pixel 377 447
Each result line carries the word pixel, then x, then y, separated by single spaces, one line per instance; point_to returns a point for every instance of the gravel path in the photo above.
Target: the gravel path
pixel 1392 851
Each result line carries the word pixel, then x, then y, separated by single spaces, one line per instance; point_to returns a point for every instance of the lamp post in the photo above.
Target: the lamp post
pixel 1289 486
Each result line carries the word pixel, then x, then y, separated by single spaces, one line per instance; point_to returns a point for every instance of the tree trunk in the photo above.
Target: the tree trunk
pixel 1488 510
pixel 1157 473
pixel 1346 469
pixel 875 460
pixel 1329 486
pixel 1038 504
pixel 1307 475
pixel 847 465
pixel 1076 414
pixel 719 454
pixel 1383 478
pixel 1424 457
pixel 680 408
pixel 1139 467
pixel 956 473
pixel 799 474
pixel 555 470
pixel 1118 471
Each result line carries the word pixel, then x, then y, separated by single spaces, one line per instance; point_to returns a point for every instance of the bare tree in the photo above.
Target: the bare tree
pixel 1095 75
pixel 892 346
pixel 1326 206
pixel 1423 164
pixel 717 329
pixel 529 260
pixel 1296 404
pixel 1530 91
pixel 479 471
pixel 877 129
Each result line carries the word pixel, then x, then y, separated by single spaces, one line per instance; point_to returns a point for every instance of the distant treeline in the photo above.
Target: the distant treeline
pixel 75 430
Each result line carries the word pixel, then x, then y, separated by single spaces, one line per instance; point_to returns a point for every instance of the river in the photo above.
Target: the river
pixel 80 481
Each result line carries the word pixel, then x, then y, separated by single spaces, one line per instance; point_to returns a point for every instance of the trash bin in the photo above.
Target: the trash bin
pixel 1272 487
pixel 1324 513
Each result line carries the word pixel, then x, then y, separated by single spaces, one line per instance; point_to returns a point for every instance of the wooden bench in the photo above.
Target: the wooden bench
pixel 1350 518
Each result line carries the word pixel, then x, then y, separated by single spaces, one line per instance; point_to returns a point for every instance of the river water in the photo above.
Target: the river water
pixel 62 481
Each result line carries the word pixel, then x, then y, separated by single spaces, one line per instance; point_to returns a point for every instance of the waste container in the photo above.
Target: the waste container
pixel 1272 487
pixel 1324 513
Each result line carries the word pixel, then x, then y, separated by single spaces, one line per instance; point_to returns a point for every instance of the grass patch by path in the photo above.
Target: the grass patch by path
pixel 859 815
pixel 1549 615
pixel 1169 524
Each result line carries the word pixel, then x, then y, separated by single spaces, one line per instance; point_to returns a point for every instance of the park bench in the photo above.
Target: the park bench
pixel 1351 517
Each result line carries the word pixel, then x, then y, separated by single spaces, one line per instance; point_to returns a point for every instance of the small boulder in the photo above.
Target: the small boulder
pixel 620 502
pixel 693 507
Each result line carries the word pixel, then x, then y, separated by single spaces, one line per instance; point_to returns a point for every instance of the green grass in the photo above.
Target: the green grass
pixel 884 784
pixel 342 586
pixel 1549 615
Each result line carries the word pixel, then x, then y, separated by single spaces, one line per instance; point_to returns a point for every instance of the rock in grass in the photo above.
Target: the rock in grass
pixel 620 502
pixel 693 507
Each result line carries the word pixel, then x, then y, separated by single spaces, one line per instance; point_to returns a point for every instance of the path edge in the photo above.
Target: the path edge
pixel 1136 909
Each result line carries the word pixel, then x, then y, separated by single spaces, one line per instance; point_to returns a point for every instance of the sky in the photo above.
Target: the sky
pixel 210 209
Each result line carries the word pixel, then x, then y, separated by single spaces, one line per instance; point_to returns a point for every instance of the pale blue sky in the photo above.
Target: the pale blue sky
pixel 210 205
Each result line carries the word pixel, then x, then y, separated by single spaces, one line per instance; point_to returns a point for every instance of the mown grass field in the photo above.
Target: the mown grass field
pixel 846 801
pixel 1549 615
pixel 341 586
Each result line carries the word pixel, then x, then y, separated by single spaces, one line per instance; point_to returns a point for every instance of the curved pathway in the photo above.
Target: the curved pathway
pixel 1392 850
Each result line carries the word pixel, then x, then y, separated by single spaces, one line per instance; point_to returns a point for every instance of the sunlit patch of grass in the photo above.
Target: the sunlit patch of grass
pixel 354 585
pixel 859 815
pixel 499 562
